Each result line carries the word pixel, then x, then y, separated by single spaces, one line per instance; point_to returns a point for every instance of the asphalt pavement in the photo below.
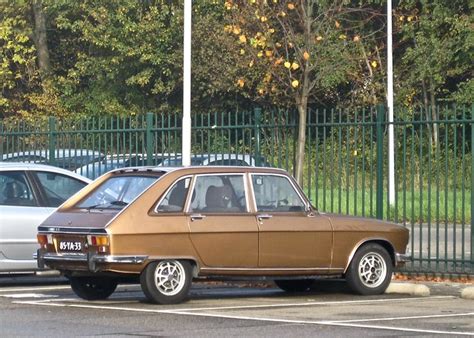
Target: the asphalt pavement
pixel 47 307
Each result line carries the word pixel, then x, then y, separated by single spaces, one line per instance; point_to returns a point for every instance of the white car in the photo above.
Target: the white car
pixel 241 160
pixel 29 193
pixel 111 162
pixel 69 159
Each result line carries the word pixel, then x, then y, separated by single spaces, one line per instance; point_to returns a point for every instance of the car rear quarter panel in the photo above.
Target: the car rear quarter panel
pixel 137 230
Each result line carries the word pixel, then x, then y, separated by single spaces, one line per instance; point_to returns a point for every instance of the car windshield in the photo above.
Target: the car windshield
pixel 117 192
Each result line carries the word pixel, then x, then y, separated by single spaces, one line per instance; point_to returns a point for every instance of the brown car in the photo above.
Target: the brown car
pixel 165 227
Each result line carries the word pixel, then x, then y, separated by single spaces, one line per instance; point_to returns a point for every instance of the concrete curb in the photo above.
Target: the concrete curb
pixel 412 289
pixel 468 293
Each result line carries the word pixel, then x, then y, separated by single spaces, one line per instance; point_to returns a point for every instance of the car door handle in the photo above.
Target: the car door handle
pixel 264 216
pixel 195 217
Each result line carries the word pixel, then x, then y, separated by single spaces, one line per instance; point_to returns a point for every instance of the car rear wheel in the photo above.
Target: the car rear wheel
pixel 93 288
pixel 166 282
pixel 294 285
pixel 370 271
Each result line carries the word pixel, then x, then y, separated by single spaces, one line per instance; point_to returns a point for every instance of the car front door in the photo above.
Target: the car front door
pixel 222 230
pixel 289 235
pixel 27 198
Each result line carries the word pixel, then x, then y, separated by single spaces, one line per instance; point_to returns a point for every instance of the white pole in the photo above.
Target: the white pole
pixel 391 144
pixel 186 128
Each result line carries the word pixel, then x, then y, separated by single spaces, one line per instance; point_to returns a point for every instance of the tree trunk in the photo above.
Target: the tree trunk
pixel 426 106
pixel 302 97
pixel 434 115
pixel 302 105
pixel 40 38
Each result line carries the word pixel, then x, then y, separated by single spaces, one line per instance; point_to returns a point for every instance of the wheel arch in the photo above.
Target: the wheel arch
pixel 194 263
pixel 380 241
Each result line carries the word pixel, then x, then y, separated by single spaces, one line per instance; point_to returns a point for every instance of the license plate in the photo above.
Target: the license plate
pixel 70 246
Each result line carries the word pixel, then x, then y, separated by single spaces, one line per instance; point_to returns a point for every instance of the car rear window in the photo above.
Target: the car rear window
pixel 117 192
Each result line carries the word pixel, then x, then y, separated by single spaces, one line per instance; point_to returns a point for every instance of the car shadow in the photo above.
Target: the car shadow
pixel 237 290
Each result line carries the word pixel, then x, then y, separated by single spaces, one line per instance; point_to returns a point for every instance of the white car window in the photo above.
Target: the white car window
pixel 15 189
pixel 57 187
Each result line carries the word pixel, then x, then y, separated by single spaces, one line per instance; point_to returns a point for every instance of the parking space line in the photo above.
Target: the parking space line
pixel 326 323
pixel 37 288
pixel 262 319
pixel 402 329
pixel 217 308
pixel 54 303
pixel 367 301
pixel 403 318
pixel 28 295
pixel 345 323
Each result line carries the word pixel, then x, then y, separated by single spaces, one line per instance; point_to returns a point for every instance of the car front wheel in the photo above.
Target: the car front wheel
pixel 166 282
pixel 294 285
pixel 370 271
pixel 93 288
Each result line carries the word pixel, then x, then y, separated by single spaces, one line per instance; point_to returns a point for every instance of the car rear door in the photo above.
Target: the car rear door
pixel 222 230
pixel 289 236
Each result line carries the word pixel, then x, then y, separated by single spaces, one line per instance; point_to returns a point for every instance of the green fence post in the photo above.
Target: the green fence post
pixel 379 175
pixel 2 139
pixel 258 116
pixel 52 140
pixel 472 184
pixel 149 139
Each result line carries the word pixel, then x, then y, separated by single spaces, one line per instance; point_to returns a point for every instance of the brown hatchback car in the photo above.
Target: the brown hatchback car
pixel 165 227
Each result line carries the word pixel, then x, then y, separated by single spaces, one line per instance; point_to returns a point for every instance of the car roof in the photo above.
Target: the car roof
pixel 4 166
pixel 201 169
pixel 228 169
pixel 141 169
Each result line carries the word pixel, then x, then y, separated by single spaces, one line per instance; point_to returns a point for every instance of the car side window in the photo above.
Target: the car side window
pixel 176 197
pixel 58 188
pixel 276 193
pixel 219 194
pixel 15 190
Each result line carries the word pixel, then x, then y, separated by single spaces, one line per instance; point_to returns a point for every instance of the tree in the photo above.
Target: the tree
pixel 123 56
pixel 436 41
pixel 18 71
pixel 308 49
pixel 215 64
pixel 40 38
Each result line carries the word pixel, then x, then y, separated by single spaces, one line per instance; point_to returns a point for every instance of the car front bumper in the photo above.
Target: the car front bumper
pixel 92 259
pixel 401 259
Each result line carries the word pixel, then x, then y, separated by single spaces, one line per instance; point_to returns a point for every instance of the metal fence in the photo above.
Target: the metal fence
pixel 345 167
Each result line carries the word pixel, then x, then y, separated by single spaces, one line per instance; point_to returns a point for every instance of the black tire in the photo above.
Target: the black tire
pixel 370 270
pixel 93 288
pixel 294 285
pixel 166 282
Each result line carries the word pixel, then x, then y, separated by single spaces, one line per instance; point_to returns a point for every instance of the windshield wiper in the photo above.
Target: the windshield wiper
pixel 119 203
pixel 102 206
pixel 94 206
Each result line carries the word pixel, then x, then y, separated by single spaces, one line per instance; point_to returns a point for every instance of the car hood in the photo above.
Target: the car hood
pixel 355 223
pixel 81 219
